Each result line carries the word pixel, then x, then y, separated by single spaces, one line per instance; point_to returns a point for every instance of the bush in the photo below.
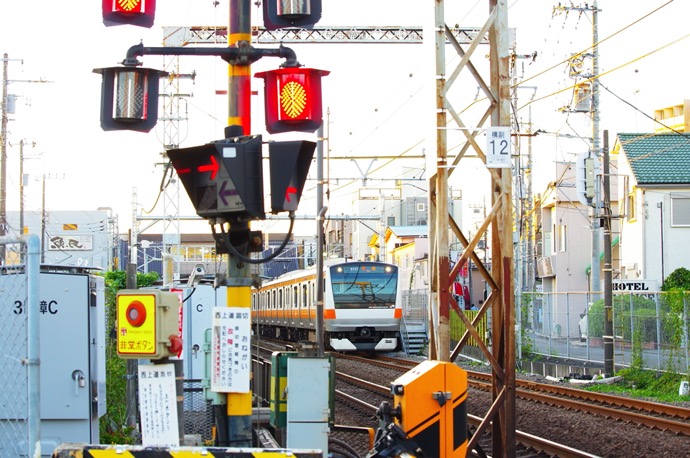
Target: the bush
pixel 113 426
pixel 643 322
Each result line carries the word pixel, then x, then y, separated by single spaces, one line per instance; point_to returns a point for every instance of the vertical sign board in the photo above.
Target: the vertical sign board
pixel 157 403
pixel 230 350
pixel 498 147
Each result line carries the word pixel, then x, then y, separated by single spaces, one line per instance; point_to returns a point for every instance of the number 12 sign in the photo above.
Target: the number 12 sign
pixel 498 147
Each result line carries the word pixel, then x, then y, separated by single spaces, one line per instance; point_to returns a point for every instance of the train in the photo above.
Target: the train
pixel 362 306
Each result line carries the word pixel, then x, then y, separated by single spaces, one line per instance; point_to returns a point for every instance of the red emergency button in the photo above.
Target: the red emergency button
pixel 136 313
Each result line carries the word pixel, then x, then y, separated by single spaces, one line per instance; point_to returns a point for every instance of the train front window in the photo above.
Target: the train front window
pixel 364 285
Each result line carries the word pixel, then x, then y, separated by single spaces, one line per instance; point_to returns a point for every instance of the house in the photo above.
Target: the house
pixel 564 253
pixel 408 248
pixel 654 178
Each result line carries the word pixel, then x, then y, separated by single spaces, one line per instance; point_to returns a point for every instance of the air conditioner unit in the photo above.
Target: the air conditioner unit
pixel 544 267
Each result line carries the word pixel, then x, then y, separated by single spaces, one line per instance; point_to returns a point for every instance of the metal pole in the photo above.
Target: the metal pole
pixel 33 272
pixel 132 364
pixel 21 187
pixel 239 405
pixel 43 219
pixel 661 238
pixel 3 159
pixel 319 284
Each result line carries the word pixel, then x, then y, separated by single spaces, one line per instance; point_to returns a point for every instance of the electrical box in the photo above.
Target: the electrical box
pixel 147 323
pixel 197 316
pixel 431 401
pixel 72 355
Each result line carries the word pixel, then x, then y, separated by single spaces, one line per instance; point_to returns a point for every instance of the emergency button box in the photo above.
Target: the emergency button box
pixel 147 324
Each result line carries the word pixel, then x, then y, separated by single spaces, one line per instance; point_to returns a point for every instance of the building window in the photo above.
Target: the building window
pixel 631 204
pixel 421 207
pixel 560 238
pixel 391 221
pixel 680 211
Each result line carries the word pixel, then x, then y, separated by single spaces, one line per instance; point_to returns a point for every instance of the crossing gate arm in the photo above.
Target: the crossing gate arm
pixel 138 451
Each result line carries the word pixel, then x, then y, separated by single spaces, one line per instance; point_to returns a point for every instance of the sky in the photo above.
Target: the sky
pixel 378 98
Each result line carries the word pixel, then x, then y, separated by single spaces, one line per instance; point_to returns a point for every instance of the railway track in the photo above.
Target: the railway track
pixel 637 411
pixel 528 445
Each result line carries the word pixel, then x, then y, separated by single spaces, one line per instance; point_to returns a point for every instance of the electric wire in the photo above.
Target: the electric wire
pixel 581 53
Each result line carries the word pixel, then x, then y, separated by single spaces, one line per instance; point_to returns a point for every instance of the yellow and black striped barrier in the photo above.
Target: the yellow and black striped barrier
pixel 138 451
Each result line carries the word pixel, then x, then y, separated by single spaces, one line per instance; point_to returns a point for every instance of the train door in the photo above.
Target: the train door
pixel 282 310
pixel 294 302
pixel 304 305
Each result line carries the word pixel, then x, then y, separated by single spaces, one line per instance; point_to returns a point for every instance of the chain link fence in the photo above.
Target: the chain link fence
pixel 19 339
pixel 650 328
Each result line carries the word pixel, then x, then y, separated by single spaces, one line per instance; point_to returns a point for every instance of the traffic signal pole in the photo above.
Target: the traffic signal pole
pixel 239 405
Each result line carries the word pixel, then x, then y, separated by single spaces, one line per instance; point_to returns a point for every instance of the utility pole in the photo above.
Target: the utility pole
pixel 608 266
pixel 3 146
pixel 595 275
pixel 596 150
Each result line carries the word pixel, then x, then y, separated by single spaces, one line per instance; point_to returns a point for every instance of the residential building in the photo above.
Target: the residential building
pixel 654 178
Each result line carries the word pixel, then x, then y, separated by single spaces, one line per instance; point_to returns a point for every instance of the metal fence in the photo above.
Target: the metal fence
pixel 650 328
pixel 19 340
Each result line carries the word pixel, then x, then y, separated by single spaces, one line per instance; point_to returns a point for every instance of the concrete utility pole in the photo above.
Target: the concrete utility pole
pixel 595 274
pixel 608 266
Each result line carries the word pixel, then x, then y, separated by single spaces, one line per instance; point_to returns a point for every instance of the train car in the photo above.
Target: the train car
pixel 362 306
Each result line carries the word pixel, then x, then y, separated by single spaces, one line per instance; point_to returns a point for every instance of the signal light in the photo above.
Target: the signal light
pixel 147 324
pixel 223 179
pixel 129 98
pixel 133 12
pixel 279 14
pixel 292 98
pixel 289 165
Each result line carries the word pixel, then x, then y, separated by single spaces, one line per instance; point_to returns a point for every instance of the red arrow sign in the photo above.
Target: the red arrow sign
pixel 212 167
pixel 288 191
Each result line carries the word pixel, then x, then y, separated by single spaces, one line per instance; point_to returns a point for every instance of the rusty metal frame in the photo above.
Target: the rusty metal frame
pixel 499 348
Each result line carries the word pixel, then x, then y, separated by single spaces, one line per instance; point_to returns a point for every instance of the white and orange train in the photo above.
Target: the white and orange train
pixel 362 306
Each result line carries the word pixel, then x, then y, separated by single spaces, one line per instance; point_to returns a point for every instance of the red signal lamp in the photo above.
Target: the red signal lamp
pixel 293 101
pixel 133 12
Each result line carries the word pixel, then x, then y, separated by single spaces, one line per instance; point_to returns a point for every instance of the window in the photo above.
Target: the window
pixel 391 221
pixel 680 211
pixel 421 206
pixel 631 206
pixel 560 238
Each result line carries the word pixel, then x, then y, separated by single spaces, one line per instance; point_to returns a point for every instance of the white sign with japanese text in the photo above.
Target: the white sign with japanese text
pixel 231 350
pixel 498 147
pixel 158 405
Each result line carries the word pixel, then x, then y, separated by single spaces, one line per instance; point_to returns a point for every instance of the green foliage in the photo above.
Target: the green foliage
pixel 660 386
pixel 678 279
pixel 643 317
pixel 113 425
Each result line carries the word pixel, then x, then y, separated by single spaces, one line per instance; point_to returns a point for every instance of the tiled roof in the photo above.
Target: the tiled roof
pixel 662 158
